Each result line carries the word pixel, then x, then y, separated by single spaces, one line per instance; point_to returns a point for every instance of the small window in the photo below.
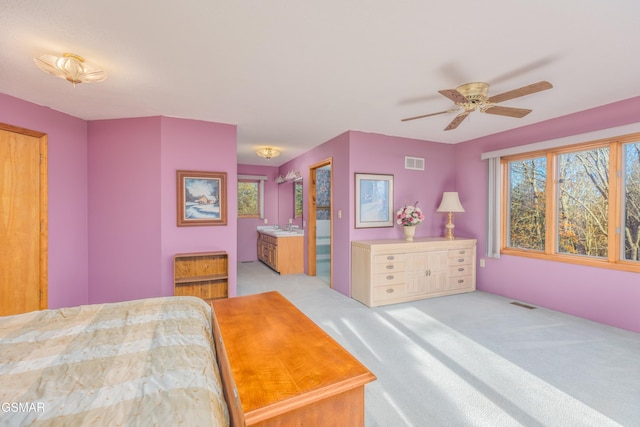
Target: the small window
pixel 297 199
pixel 248 198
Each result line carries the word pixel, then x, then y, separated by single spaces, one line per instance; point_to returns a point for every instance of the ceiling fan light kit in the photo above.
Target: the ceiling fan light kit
pixel 70 67
pixel 474 96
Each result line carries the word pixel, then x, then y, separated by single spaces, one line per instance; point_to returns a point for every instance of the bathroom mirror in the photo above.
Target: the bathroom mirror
pixel 297 199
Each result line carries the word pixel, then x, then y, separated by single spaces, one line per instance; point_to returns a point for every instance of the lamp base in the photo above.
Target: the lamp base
pixel 448 234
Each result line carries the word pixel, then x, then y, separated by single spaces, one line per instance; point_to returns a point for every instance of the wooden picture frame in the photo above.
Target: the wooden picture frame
pixel 374 200
pixel 202 198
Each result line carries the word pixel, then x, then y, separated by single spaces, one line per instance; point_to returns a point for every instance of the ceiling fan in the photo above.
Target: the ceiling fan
pixel 474 97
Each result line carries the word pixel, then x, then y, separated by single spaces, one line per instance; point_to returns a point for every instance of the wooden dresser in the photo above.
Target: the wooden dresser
pixel 393 271
pixel 280 369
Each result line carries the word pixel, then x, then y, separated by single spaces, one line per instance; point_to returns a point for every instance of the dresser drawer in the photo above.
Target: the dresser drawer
pixel 460 259
pixel 460 270
pixel 392 278
pixel 388 263
pixel 459 282
pixel 382 293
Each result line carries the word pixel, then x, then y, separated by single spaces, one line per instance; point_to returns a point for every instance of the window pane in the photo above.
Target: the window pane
pixel 297 199
pixel 248 198
pixel 527 201
pixel 631 227
pixel 583 202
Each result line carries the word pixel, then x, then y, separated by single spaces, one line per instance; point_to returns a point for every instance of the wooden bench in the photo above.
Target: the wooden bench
pixel 280 369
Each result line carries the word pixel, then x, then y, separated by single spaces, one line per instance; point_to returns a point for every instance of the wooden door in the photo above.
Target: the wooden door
pixel 23 220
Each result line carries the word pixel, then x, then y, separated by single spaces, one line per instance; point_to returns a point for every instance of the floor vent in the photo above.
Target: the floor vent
pixel 519 304
pixel 246 262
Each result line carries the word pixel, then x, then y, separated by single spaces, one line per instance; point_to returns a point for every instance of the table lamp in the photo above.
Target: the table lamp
pixel 450 203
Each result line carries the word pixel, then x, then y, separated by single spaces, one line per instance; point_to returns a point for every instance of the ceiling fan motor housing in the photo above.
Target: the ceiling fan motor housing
pixel 475 92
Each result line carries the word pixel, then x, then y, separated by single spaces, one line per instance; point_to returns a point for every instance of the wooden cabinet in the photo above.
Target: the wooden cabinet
pixel 283 254
pixel 392 271
pixel 201 274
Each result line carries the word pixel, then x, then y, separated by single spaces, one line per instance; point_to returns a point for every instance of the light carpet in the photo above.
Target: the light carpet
pixel 473 359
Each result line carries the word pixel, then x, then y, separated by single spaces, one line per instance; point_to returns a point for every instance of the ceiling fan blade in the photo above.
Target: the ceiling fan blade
pixel 453 95
pixel 525 90
pixel 427 115
pixel 457 120
pixel 507 111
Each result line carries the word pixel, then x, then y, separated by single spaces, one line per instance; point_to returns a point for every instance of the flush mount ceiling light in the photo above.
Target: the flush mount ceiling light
pixel 70 67
pixel 268 152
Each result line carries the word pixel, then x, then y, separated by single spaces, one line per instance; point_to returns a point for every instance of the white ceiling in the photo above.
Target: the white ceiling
pixel 294 74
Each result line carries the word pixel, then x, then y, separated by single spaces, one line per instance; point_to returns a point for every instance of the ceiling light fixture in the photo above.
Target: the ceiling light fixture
pixel 268 152
pixel 70 67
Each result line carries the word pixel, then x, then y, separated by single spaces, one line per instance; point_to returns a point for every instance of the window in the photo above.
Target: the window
pixel 631 212
pixel 251 196
pixel 576 204
pixel 248 199
pixel 297 199
pixel 526 213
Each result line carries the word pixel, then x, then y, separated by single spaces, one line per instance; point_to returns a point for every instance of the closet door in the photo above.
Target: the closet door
pixel 23 220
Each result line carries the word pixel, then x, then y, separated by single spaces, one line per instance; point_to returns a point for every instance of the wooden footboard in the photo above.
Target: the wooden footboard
pixel 280 369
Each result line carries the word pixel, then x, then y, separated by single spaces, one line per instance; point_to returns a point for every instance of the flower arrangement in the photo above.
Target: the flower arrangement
pixel 410 215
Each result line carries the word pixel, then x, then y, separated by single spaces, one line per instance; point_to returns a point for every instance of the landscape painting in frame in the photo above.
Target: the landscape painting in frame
pixel 374 200
pixel 202 198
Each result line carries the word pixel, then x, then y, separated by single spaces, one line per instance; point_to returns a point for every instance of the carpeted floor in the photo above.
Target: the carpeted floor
pixel 473 359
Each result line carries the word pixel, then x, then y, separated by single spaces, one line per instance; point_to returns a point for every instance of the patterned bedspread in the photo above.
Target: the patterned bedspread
pixel 146 362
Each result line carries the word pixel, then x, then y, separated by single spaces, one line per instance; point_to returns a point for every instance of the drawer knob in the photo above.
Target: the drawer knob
pixel 390 267
pixel 390 277
pixel 461 269
pixel 461 252
pixel 461 281
pixel 391 257
pixel 460 259
pixel 389 291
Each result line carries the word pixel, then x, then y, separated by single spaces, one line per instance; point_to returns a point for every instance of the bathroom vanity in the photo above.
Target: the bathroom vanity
pixel 282 250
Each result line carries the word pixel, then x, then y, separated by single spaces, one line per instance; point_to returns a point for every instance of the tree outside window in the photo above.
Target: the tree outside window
pixel 248 198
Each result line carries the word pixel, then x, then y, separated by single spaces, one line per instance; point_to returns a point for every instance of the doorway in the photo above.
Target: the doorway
pixel 320 230
pixel 23 220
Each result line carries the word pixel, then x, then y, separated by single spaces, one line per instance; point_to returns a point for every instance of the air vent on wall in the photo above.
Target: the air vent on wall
pixel 414 163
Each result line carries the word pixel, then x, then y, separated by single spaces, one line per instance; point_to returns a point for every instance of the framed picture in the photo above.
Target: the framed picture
pixel 374 200
pixel 202 198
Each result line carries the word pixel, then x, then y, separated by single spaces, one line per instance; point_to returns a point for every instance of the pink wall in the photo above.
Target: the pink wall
pixel 373 153
pixel 124 209
pixel 200 146
pixel 68 249
pixel 338 149
pixel 132 202
pixel 603 295
pixel 247 235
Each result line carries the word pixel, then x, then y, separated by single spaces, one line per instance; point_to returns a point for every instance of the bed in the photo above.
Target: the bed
pixel 144 362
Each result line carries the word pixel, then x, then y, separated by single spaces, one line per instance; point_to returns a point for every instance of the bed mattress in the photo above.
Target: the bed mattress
pixel 144 362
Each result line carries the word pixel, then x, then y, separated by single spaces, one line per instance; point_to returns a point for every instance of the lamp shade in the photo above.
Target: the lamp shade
pixel 450 202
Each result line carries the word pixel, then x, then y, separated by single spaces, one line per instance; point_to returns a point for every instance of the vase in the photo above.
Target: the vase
pixel 409 231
